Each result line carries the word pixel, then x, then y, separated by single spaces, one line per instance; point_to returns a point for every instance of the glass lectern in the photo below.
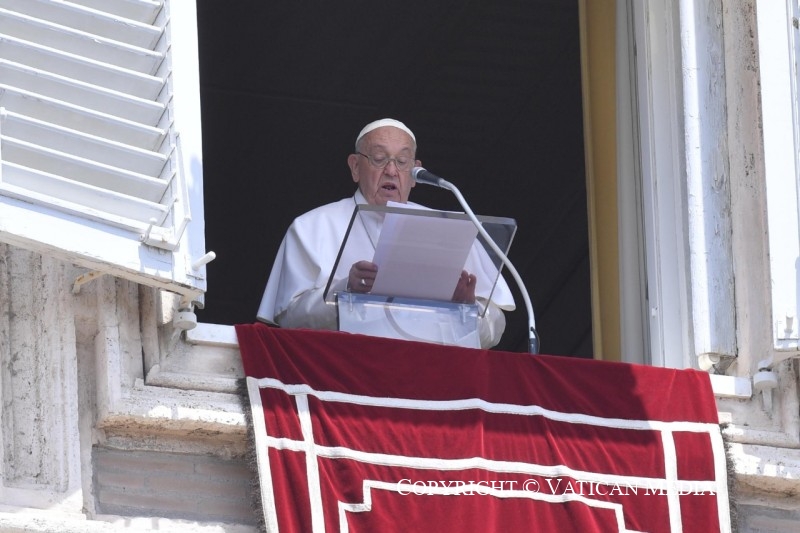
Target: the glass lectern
pixel 420 255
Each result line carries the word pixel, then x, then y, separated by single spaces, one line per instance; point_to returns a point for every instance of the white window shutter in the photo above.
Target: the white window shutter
pixel 100 136
pixel 778 50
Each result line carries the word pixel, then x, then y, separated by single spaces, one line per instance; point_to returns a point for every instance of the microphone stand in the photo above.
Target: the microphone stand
pixel 431 179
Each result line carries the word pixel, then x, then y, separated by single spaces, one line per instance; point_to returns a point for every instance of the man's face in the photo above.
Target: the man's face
pixel 380 185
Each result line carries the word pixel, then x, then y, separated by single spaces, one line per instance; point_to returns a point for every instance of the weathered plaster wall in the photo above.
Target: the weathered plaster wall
pixel 38 384
pixel 85 441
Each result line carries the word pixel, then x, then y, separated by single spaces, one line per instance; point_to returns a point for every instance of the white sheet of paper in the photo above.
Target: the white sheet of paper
pixel 421 257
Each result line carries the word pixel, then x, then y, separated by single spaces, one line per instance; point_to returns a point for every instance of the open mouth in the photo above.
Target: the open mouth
pixel 390 187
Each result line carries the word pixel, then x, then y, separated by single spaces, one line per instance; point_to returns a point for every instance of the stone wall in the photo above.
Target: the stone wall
pixel 86 440
pixel 173 485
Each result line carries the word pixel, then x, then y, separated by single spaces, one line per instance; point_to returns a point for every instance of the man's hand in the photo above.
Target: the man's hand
pixel 465 288
pixel 362 276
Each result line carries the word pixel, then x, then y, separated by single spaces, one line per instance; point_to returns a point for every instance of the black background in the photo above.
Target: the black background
pixel 492 91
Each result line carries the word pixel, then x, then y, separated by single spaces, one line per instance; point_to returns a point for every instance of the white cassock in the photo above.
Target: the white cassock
pixel 294 296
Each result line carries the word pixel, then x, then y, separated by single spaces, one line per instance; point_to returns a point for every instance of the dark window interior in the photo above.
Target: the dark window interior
pixel 492 91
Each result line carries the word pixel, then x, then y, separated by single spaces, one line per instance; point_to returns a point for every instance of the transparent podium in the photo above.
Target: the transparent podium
pixel 420 255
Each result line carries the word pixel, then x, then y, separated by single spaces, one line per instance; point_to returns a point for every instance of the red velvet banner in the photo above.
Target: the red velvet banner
pixel 364 434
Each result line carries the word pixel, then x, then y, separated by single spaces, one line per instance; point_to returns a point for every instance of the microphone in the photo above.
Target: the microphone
pixel 421 175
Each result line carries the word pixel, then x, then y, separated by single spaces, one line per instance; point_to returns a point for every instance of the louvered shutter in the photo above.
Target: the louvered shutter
pixel 94 98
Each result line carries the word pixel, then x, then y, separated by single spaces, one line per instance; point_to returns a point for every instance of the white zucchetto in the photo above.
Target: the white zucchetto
pixel 385 122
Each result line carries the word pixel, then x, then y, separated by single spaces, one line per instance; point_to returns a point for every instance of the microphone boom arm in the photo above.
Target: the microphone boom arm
pixel 423 176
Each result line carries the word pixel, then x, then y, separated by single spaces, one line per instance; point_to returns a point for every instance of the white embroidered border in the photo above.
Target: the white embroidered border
pixel 671 476
pixel 263 440
pixel 370 484
pixel 262 456
pixel 312 465
pixel 491 465
pixel 489 407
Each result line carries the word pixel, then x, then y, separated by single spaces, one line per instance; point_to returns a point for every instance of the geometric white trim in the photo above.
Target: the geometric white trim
pixel 262 457
pixel 473 488
pixel 671 476
pixel 489 407
pixel 670 486
pixel 312 466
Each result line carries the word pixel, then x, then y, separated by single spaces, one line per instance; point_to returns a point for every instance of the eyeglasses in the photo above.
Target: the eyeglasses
pixel 402 163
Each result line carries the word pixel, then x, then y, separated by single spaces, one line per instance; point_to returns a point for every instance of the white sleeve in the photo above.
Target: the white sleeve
pixel 492 325
pixel 294 294
pixel 309 310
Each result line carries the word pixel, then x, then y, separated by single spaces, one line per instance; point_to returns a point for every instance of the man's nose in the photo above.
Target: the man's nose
pixel 391 168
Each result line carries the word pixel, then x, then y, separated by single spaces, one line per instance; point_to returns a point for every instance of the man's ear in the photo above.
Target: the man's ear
pixel 352 162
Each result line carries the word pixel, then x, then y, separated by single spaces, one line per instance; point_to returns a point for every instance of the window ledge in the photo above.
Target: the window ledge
pixel 731 387
pixel 225 336
pixel 213 335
